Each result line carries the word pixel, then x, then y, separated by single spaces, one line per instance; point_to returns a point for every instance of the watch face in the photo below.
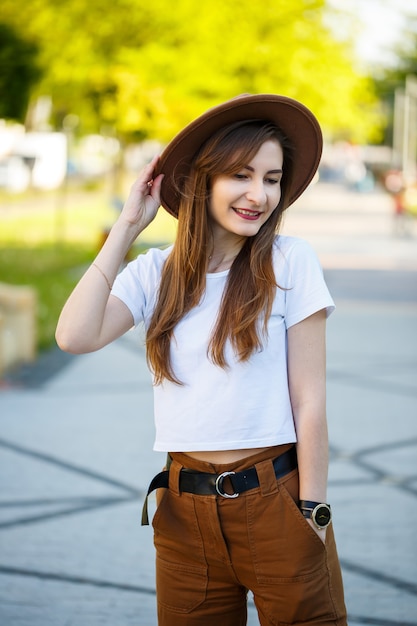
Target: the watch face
pixel 322 516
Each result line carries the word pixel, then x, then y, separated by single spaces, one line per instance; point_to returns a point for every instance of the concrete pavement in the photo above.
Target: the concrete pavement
pixel 76 438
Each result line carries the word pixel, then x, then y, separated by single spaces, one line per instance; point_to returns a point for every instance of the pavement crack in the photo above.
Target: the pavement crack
pixel 52 515
pixel 71 467
pixel 380 577
pixel 377 621
pixel 76 580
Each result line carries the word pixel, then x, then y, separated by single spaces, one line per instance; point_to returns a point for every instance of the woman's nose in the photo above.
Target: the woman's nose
pixel 256 192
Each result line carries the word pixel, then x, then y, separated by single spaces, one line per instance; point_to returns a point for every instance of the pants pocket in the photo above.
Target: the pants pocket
pixel 181 570
pixel 180 588
pixel 289 560
pixel 284 547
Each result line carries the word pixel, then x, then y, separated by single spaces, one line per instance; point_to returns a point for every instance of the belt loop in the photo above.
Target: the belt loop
pixel 174 477
pixel 266 476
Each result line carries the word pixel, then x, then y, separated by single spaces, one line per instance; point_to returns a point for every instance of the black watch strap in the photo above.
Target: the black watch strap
pixel 309 505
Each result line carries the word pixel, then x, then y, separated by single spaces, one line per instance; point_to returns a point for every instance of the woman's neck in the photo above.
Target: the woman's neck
pixel 220 263
pixel 222 255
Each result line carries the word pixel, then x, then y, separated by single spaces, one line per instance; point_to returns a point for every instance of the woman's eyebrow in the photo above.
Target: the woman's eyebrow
pixel 251 169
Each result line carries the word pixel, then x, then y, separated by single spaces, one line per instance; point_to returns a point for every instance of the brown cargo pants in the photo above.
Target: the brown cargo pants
pixel 211 550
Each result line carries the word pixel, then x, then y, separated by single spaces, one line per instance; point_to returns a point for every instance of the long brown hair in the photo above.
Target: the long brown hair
pixel 251 283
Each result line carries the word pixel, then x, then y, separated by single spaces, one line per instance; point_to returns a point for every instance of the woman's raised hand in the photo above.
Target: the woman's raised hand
pixel 144 200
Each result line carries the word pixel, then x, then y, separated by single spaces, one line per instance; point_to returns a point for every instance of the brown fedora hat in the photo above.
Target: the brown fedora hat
pixel 296 122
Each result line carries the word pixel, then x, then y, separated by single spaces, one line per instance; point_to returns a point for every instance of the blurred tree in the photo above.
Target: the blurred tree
pixel 393 78
pixel 146 69
pixel 18 73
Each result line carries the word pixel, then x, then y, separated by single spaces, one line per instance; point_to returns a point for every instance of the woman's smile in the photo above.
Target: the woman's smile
pixel 247 213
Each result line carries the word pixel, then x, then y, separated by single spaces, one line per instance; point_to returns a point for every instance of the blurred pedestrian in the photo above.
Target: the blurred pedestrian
pixel 396 187
pixel 235 318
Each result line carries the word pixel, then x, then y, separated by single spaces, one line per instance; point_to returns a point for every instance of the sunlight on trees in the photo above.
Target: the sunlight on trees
pixel 146 69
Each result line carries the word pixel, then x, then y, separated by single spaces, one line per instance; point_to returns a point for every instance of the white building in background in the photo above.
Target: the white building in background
pixel 37 159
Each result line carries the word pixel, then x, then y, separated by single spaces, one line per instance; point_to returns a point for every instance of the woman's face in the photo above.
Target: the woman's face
pixel 242 202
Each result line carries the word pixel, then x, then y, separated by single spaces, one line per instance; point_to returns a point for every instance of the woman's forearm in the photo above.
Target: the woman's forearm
pixel 313 456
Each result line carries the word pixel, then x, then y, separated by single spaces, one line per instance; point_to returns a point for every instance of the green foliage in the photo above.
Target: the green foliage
pixel 53 271
pixel 18 73
pixel 146 69
pixel 47 241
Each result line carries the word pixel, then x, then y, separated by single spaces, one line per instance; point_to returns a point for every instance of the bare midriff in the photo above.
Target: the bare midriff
pixel 223 456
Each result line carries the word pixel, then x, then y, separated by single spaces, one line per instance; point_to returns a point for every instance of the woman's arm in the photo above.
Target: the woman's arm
pixel 91 318
pixel 307 384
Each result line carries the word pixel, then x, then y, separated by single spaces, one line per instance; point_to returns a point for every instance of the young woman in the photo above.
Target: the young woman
pixel 235 319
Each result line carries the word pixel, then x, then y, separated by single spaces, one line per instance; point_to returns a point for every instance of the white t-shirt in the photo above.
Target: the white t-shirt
pixel 248 404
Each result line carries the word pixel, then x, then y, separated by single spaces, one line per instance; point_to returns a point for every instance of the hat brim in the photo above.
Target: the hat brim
pixel 294 119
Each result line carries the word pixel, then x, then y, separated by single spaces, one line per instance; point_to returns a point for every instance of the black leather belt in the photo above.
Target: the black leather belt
pixel 206 484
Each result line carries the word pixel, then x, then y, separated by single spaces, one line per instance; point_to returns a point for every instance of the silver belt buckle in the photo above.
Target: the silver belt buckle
pixel 219 485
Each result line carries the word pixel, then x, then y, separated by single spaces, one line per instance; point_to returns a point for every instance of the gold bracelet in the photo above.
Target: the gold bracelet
pixel 103 274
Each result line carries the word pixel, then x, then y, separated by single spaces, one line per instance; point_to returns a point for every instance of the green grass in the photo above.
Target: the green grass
pixel 53 271
pixel 47 241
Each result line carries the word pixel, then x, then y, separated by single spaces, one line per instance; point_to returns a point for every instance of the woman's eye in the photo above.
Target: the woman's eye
pixel 240 176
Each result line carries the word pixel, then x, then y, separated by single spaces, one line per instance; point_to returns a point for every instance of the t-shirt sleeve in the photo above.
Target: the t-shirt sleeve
pixel 128 289
pixel 306 290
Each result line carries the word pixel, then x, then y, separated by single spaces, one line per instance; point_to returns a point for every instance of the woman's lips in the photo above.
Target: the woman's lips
pixel 247 214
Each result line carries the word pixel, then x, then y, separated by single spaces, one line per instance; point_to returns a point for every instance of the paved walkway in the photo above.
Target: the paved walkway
pixel 76 438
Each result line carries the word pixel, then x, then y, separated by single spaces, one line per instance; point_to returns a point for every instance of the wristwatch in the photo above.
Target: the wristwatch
pixel 319 512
